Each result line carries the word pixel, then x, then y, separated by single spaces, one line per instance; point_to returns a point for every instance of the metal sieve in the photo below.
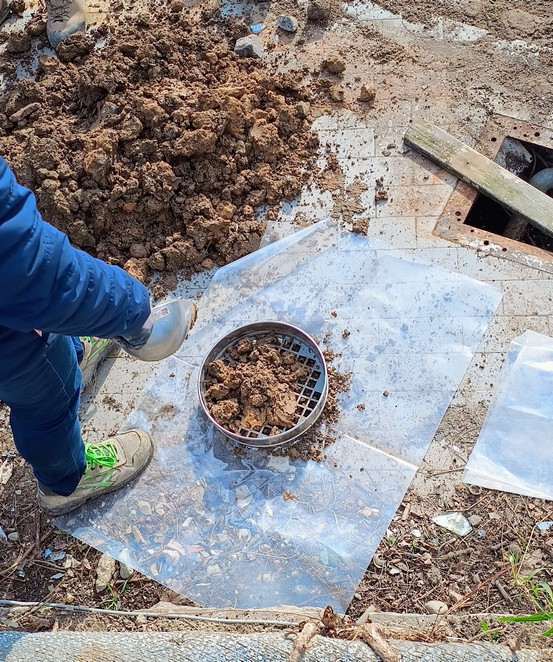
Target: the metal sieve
pixel 311 390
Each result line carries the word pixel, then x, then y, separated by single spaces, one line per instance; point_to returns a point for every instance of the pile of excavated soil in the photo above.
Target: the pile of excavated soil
pixel 154 151
pixel 255 390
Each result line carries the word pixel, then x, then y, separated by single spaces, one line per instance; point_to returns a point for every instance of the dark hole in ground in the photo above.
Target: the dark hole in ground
pixel 523 159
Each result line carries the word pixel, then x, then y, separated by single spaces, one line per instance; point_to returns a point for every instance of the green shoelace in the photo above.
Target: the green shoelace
pixel 99 455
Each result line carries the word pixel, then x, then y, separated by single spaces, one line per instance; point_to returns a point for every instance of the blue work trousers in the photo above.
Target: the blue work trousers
pixel 44 404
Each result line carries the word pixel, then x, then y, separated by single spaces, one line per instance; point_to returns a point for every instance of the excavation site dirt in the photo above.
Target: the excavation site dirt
pixel 154 151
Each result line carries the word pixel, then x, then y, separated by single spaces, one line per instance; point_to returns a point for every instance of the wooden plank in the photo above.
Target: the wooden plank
pixel 485 175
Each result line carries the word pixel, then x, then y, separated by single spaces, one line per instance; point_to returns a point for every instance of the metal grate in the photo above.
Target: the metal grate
pixel 308 389
pixel 311 389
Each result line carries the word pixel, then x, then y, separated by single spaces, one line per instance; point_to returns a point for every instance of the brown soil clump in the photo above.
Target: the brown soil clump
pixel 256 390
pixel 311 445
pixel 154 151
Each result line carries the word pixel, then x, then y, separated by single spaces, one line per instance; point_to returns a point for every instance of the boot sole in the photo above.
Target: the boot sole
pixel 63 510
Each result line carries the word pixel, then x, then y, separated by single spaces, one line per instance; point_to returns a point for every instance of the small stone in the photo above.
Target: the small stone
pixel 57 556
pixel 336 93
pixel 124 571
pixel 145 508
pixel 318 11
pixel 249 46
pixel 436 607
pixel 14 537
pixel 69 598
pixel 287 23
pixel 141 619
pixel 138 251
pixel 455 522
pixel 544 526
pixel 475 520
pixel 302 109
pixel 366 94
pixel 334 65
pixel 104 571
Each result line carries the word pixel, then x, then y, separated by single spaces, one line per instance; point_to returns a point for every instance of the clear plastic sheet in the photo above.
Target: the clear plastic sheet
pixel 228 526
pixel 514 451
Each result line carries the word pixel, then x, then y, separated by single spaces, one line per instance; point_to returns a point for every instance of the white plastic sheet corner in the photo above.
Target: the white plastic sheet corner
pixel 514 451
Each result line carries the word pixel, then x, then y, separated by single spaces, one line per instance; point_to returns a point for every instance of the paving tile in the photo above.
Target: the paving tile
pixel 414 200
pixel 483 373
pixel 530 297
pixel 396 232
pixel 349 143
pixel 503 329
pixel 489 267
pixel 424 234
pixel 445 257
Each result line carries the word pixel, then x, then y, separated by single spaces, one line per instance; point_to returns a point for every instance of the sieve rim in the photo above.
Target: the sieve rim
pixel 253 329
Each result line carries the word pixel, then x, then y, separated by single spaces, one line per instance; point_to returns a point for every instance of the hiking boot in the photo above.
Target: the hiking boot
pixel 64 18
pixel 109 466
pixel 94 351
pixel 4 10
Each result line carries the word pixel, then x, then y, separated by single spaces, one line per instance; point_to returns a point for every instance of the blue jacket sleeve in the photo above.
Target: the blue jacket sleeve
pixel 47 284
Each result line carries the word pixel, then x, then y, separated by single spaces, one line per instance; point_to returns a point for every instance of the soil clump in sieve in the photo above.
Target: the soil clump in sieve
pixel 155 151
pixel 311 445
pixel 257 390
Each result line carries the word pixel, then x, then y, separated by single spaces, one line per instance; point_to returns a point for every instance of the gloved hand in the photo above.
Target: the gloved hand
pixel 163 332
pixel 138 341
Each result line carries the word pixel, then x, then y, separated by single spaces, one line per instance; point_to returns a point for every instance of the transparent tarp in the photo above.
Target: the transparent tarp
pixel 249 528
pixel 514 451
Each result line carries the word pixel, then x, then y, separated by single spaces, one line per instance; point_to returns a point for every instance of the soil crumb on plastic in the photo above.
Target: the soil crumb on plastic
pixel 155 151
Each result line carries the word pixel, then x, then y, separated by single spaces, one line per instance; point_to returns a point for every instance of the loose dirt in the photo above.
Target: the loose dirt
pixel 508 20
pixel 154 152
pixel 256 389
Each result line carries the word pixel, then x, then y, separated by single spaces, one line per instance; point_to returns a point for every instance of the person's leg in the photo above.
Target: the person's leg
pixel 79 349
pixel 44 403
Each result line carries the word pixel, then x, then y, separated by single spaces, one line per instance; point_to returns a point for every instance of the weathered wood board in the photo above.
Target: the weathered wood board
pixel 485 175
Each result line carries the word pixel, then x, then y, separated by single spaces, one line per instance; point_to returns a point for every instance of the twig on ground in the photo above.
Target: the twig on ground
pixel 308 631
pixel 148 614
pixel 504 594
pixel 371 635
